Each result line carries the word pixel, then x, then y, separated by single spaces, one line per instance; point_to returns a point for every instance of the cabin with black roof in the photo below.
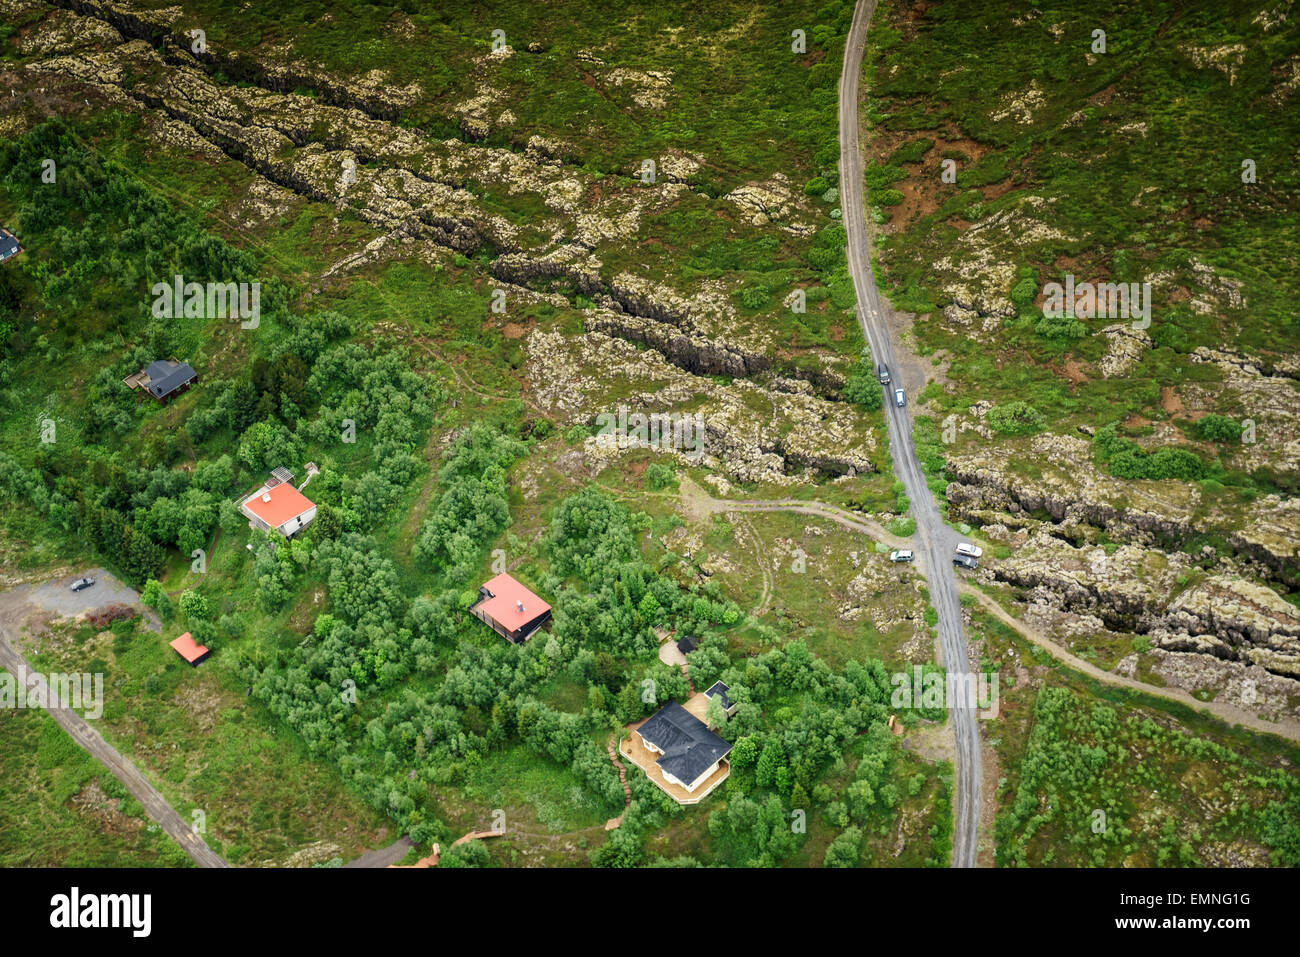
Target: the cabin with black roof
pixel 719 690
pixel 163 379
pixel 9 245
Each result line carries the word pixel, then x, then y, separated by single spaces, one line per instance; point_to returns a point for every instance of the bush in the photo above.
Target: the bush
pixel 755 297
pixel 816 186
pixel 862 388
pixel 1060 327
pixel 1014 418
pixel 659 476
pixel 1126 459
pixel 902 527
pixel 1023 292
pixel 1218 428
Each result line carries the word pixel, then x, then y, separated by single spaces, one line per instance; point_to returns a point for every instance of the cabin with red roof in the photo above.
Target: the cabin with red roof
pixel 510 609
pixel 190 650
pixel 278 506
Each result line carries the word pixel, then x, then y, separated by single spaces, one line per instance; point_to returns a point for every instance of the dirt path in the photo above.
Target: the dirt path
pixel 155 805
pixel 840 516
pixel 384 856
pixel 622 779
pixel 760 556
pixel 212 549
pixel 1227 713
pixel 1224 712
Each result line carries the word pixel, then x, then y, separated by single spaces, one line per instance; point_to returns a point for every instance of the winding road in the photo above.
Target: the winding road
pixel 155 805
pixel 934 539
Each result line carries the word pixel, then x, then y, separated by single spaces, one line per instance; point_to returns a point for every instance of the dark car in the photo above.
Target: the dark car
pixel 882 372
pixel 81 583
pixel 965 561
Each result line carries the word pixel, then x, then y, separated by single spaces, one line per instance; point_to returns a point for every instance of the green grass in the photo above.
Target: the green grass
pixel 62 808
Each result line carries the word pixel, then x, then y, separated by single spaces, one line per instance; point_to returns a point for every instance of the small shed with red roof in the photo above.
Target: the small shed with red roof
pixel 511 610
pixel 190 650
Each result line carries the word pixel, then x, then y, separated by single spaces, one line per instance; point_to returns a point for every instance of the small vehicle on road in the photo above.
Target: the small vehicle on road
pixel 81 583
pixel 965 561
pixel 901 555
pixel 900 400
pixel 882 373
pixel 966 548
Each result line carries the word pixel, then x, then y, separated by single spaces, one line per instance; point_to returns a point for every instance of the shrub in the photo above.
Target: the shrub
pixel 659 476
pixel 1023 292
pixel 755 297
pixel 862 388
pixel 1218 428
pixel 1014 418
pixel 1060 327
pixel 816 186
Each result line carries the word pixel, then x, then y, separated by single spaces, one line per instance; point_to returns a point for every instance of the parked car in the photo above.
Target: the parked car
pixel 966 548
pixel 901 555
pixel 882 373
pixel 899 399
pixel 81 583
pixel 965 561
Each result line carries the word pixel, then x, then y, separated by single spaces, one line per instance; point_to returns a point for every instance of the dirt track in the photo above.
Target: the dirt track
pixel 54 597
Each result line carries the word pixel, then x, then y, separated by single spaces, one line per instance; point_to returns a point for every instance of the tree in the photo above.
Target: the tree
pixel 744 752
pixel 156 598
pixel 715 715
pixel 470 854
pixel 862 387
pixel 845 850
pixel 195 607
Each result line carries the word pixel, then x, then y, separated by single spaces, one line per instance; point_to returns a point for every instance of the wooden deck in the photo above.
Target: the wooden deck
pixel 698 705
pixel 636 752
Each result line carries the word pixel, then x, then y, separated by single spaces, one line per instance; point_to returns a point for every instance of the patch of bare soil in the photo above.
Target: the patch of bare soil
pixel 92 802
pixel 1103 97
pixel 955 141
pixel 990 774
pixel 202 703
pixel 1170 401
pixel 696 502
pixel 1074 372
pixel 932 742
pixel 920 198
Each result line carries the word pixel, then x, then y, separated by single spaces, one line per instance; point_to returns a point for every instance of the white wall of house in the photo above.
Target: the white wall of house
pixel 703 777
pixel 295 525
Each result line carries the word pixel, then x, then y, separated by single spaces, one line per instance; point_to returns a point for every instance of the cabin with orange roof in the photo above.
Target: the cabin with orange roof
pixel 510 609
pixel 278 506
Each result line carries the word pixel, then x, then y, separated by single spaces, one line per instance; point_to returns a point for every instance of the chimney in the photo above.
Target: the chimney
pixel 520 606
